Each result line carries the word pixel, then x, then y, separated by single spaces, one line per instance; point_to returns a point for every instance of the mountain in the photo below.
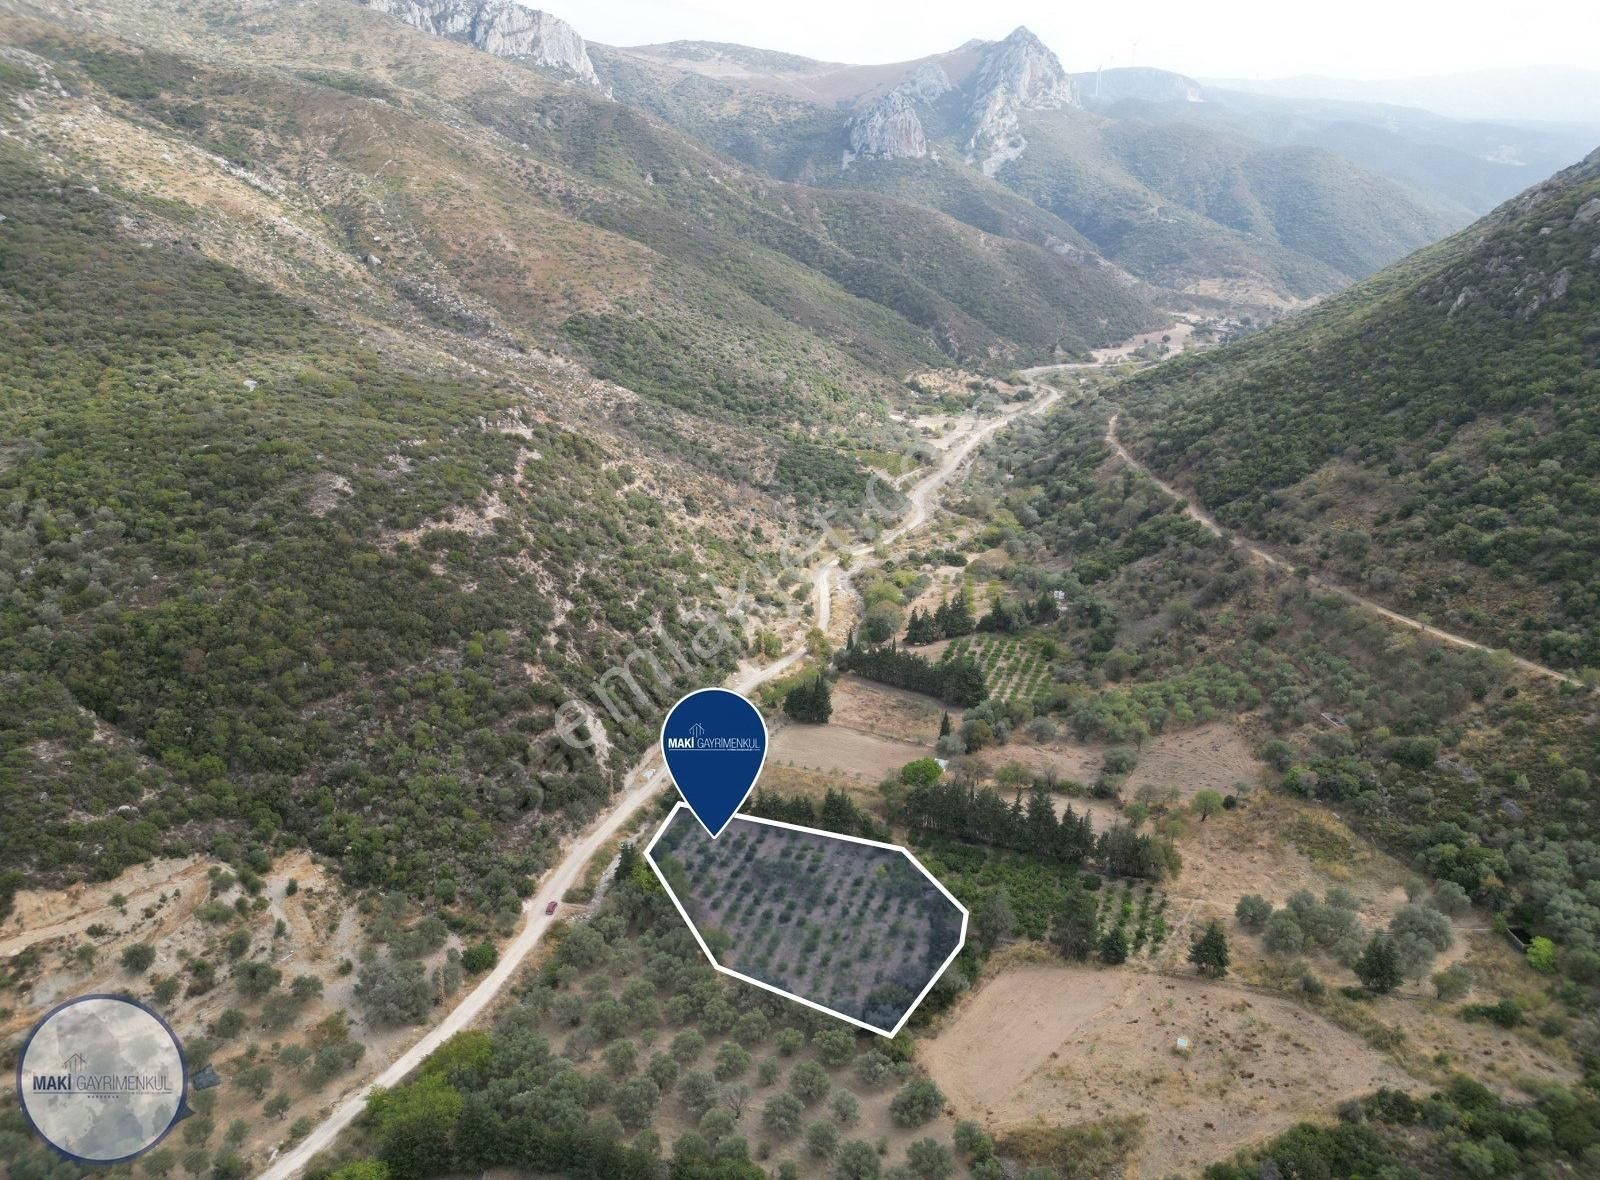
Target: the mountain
pixel 1205 213
pixel 1533 94
pixel 368 389
pixel 1464 167
pixel 1431 436
pixel 501 27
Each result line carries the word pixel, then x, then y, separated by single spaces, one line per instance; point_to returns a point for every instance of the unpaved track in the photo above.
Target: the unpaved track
pixel 1256 553
pixel 640 785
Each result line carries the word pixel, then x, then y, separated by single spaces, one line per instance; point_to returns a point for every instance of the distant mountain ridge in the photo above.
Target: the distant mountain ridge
pixel 1467 167
pixel 1533 94
pixel 954 129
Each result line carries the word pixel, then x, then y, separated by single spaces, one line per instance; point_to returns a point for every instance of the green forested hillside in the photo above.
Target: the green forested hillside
pixel 1432 436
pixel 231 611
pixel 315 508
pixel 1477 777
pixel 1465 166
pixel 1305 199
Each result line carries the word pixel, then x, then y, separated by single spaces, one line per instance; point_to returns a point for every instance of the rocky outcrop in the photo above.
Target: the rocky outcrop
pixel 1017 74
pixel 500 27
pixel 888 129
pixel 926 83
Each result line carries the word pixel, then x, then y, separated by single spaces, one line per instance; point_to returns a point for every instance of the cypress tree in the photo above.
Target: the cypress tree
pixel 1378 969
pixel 1209 952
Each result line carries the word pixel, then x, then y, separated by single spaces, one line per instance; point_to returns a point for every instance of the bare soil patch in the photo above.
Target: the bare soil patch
pixel 1102 813
pixel 815 784
pixel 1070 1044
pixel 1254 850
pixel 1214 756
pixel 888 712
pixel 864 756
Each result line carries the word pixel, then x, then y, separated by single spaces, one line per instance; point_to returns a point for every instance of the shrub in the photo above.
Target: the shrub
pixel 1379 966
pixel 1252 912
pixel 930 1160
pixel 394 991
pixel 790 1041
pixel 783 1116
pixel 136 959
pixel 732 1060
pixel 1451 899
pixel 872 1067
pixel 835 1047
pixel 479 957
pixel 856 1160
pixel 1505 1013
pixel 1542 955
pixel 1114 947
pixel 1282 934
pixel 1453 982
pixel 809 1082
pixel 1209 952
pixel 822 1140
pixel 916 1102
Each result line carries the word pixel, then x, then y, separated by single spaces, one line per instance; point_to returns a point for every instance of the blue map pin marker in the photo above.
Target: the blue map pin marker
pixel 715 743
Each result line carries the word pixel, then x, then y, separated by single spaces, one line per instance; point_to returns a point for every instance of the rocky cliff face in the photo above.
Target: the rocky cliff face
pixel 1017 74
pixel 888 129
pixel 500 27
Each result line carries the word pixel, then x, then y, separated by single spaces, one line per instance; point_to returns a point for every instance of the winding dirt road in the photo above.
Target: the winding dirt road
pixel 1256 553
pixel 639 787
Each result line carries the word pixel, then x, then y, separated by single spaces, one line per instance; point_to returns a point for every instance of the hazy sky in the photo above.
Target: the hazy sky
pixel 1235 38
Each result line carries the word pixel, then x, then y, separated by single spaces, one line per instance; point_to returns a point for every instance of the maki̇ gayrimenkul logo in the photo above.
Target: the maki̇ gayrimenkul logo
pixel 715 743
pixel 101 1079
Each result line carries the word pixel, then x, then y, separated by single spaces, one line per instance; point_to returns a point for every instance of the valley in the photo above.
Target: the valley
pixel 1165 507
pixel 641 787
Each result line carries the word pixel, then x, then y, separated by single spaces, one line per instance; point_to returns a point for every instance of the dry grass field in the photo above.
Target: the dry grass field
pixel 1066 1044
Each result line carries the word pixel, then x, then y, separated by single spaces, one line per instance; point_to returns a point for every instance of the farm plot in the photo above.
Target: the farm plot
pixel 1011 670
pixel 1138 911
pixel 1035 890
pixel 857 928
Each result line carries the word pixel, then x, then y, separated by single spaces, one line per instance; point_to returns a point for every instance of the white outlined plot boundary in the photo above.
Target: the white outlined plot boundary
pixel 649 856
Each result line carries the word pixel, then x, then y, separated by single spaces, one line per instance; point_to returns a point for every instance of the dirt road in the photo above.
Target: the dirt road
pixel 1258 554
pixel 641 784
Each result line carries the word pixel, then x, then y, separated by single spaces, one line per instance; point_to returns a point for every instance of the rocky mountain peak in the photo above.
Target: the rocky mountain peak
pixel 501 27
pixel 1017 74
pixel 1027 69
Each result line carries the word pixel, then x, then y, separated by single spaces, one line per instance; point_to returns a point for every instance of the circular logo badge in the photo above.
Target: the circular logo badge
pixel 101 1079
